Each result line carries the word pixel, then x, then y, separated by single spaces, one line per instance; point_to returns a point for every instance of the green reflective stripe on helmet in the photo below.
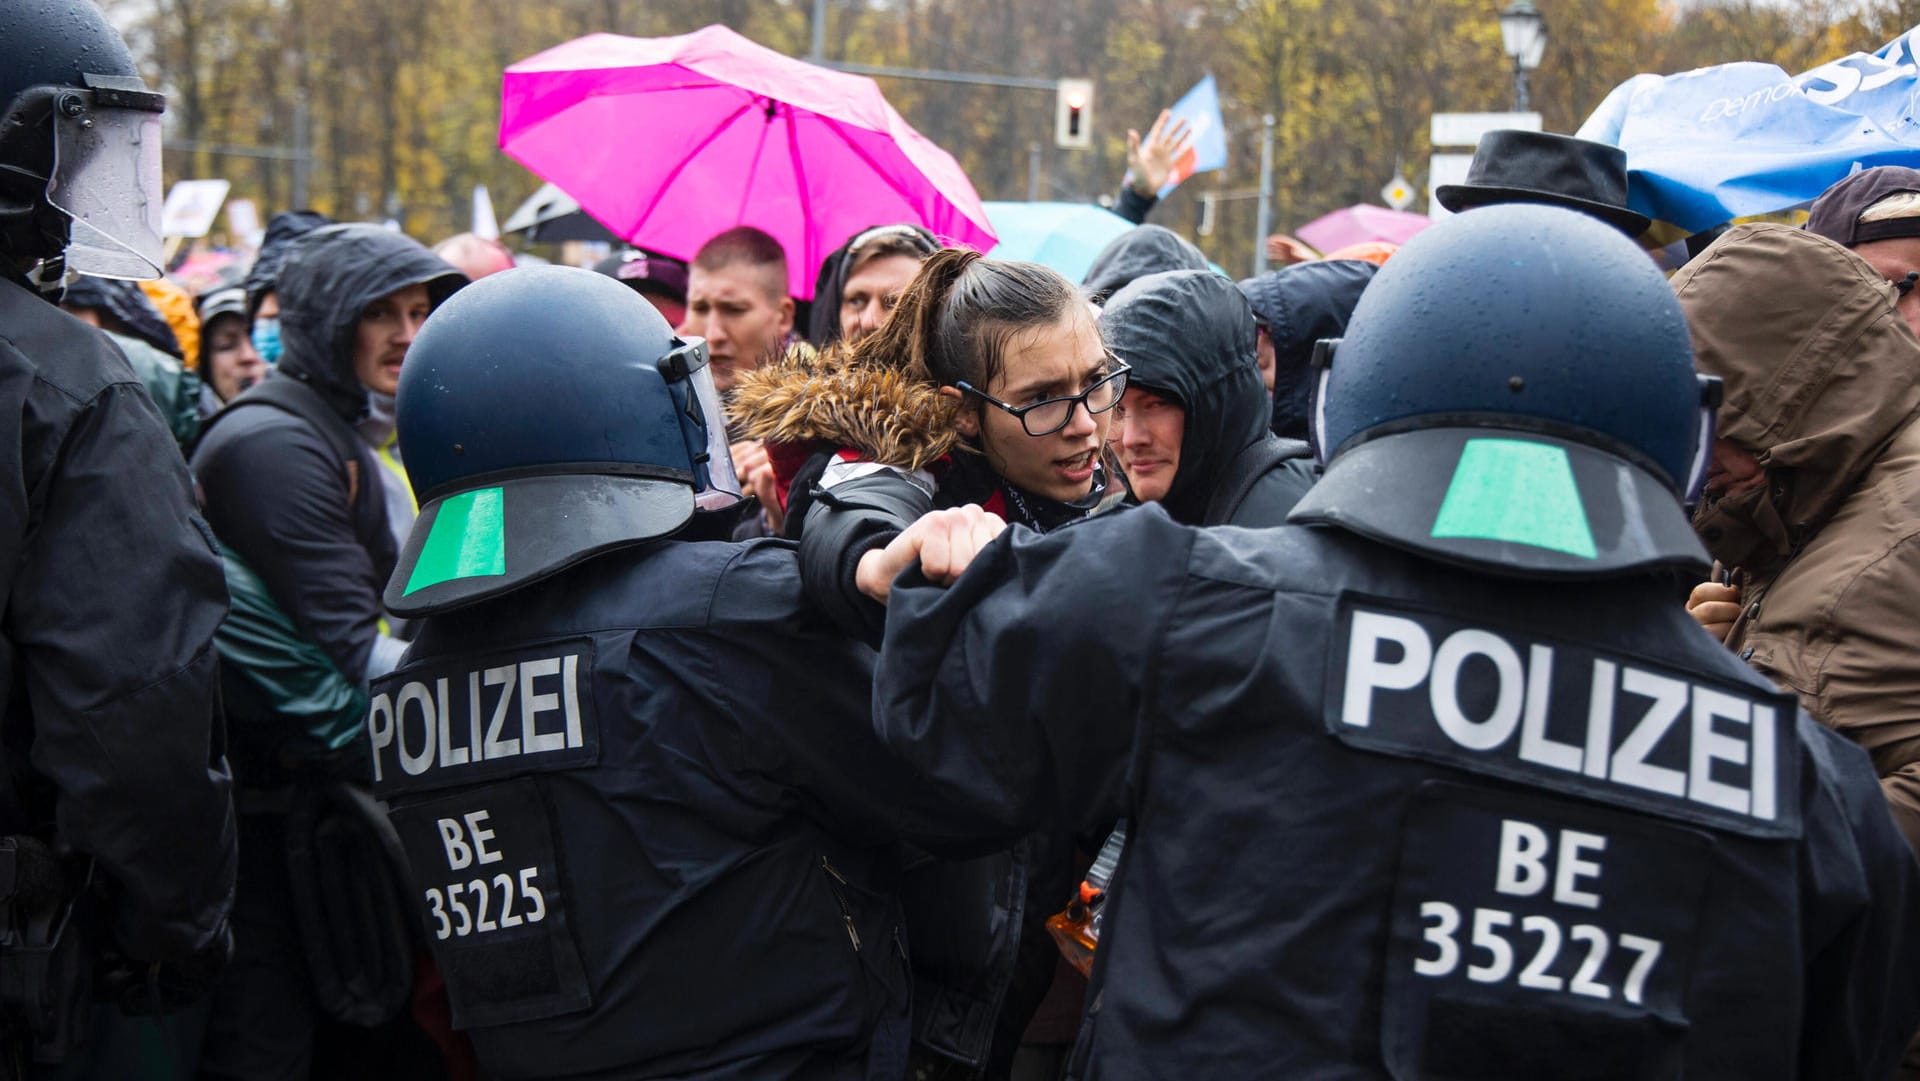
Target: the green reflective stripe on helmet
pixel 1519 492
pixel 468 540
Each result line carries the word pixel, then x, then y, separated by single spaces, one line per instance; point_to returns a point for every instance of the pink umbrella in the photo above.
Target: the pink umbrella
pixel 1361 224
pixel 670 141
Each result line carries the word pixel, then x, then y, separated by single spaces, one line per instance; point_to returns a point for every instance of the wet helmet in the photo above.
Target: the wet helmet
pixel 79 144
pixel 546 415
pixel 1516 392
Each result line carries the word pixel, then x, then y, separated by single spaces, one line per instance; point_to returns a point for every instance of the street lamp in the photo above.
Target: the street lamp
pixel 1523 34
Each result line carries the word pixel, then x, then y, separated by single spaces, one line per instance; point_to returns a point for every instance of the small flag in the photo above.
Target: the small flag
pixel 1206 130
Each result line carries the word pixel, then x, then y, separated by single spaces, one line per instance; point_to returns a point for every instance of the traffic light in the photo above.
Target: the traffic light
pixel 1073 114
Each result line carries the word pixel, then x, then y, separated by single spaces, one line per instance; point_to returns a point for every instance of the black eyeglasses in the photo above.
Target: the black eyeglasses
pixel 1049 416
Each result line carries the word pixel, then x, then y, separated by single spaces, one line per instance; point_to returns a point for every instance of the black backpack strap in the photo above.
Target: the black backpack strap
pixel 290 395
pixel 1246 470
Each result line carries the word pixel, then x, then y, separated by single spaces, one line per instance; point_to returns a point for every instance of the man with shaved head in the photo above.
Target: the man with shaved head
pixel 737 300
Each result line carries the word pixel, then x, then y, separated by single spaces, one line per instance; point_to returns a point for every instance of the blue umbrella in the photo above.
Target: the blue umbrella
pixel 1064 236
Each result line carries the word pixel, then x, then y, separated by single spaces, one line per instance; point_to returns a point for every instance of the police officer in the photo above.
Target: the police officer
pixel 1439 782
pixel 108 688
pixel 634 774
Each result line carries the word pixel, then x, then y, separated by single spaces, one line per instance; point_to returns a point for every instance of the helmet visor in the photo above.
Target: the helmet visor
pixel 722 489
pixel 106 178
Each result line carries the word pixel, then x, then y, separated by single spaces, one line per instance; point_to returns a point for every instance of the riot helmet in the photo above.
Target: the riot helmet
pixel 1515 393
pixel 79 145
pixel 547 415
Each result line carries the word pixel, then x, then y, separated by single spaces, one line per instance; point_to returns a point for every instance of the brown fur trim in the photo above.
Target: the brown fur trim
pixel 831 397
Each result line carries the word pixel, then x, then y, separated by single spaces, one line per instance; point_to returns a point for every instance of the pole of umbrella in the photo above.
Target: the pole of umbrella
pixel 819 31
pixel 1033 172
pixel 1264 221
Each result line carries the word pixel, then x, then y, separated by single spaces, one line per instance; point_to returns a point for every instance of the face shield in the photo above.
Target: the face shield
pixel 106 176
pixel 1712 393
pixel 703 425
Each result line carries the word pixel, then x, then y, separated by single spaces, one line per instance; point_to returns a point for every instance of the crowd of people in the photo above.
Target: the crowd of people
pixel 1492 657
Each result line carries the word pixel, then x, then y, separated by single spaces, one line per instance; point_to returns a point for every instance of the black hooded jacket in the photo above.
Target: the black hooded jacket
pixel 1188 335
pixel 128 304
pixel 281 491
pixel 108 678
pixel 1300 305
pixel 282 230
pixel 1136 253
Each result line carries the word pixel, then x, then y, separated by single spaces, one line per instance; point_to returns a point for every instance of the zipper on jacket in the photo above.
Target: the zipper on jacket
pixel 840 898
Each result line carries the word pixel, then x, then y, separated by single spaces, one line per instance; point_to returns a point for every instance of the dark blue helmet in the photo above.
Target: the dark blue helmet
pixel 546 415
pixel 1516 392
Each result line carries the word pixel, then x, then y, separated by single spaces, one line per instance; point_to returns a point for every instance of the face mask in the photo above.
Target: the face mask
pixel 266 339
pixel 1745 530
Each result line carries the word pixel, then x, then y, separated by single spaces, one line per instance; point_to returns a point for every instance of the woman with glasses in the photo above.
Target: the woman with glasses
pixel 988 384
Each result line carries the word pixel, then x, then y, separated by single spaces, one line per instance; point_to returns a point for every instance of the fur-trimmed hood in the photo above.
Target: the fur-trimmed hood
pixel 812 396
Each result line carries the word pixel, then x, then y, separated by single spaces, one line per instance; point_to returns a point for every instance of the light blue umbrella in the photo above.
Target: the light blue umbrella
pixel 1064 236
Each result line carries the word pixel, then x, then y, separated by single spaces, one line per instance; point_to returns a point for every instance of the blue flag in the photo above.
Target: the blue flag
pixel 1707 146
pixel 1200 108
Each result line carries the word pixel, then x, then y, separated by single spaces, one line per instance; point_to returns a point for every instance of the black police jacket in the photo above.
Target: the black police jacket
pixel 1392 819
pixel 107 671
pixel 644 806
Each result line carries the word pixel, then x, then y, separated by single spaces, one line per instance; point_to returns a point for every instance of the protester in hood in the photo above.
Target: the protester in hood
pixel 661 280
pixel 296 497
pixel 1294 307
pixel 1136 253
pixel 989 385
pixel 1813 502
pixel 126 315
pixel 123 308
pixel 1191 432
pixel 229 363
pixel 263 306
pixel 862 280
pixel 1876 213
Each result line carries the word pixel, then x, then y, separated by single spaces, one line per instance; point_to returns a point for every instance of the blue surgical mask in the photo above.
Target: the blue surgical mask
pixel 266 339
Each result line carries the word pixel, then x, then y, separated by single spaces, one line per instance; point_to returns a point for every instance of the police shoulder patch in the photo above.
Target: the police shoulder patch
pixel 1563 716
pixel 461 719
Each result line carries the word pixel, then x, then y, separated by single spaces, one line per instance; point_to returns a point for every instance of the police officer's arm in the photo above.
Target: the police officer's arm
pixel 1868 684
pixel 798 695
pixel 278 499
pixel 1019 691
pixel 114 606
pixel 1861 931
